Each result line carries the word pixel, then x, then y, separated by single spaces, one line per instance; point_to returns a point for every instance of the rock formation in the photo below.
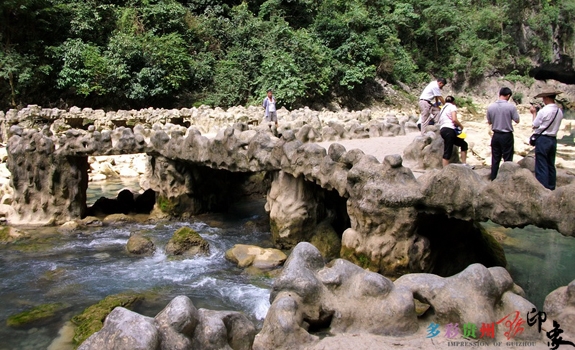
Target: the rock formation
pixel 378 210
pixel 178 326
pixel 310 296
pixel 560 307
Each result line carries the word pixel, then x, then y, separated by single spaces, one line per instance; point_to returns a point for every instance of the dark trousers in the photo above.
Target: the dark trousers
pixel 545 150
pixel 501 145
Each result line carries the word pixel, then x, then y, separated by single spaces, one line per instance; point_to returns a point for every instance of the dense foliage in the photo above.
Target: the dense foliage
pixel 169 53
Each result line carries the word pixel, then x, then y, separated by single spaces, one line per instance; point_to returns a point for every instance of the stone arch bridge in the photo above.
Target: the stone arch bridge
pixel 385 219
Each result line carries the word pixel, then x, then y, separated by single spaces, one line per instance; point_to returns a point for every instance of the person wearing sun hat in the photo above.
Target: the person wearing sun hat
pixel 546 122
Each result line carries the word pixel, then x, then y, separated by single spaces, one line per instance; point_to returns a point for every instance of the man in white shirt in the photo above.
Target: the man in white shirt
pixel 432 92
pixel 546 122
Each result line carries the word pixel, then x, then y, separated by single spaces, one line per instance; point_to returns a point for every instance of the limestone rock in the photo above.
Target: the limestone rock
pixel 69 227
pixel 340 297
pixel 124 329
pixel 223 330
pixel 476 295
pixel 91 221
pixel 11 234
pixel 90 320
pixel 116 219
pixel 560 307
pixel 188 242
pixel 249 255
pixel 326 240
pixel 177 323
pixel 140 245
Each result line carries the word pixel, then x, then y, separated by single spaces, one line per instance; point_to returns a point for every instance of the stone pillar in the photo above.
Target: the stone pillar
pixel 384 240
pixel 381 206
pixel 294 209
pixel 48 188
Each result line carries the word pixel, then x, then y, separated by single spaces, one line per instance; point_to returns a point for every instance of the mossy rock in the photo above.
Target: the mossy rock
pixel 326 240
pixel 36 316
pixel 166 205
pixel 10 235
pixel 186 241
pixel 5 234
pixel 359 259
pixel 494 252
pixel 92 318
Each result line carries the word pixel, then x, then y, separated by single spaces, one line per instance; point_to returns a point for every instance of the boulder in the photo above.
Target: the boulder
pixel 124 329
pixel 116 219
pixel 188 242
pixel 140 245
pixel 69 227
pixel 177 323
pixel 223 330
pixel 249 255
pixel 92 318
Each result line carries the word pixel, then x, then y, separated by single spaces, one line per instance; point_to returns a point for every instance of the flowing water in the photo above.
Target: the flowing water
pixel 82 269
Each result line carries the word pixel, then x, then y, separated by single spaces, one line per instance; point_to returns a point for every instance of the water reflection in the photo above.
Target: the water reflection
pixel 539 260
pixel 110 188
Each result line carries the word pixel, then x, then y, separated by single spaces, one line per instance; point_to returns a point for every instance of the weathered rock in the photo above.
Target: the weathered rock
pixel 249 255
pixel 560 307
pixel 69 227
pixel 177 323
pixel 124 329
pixel 10 234
pixel 476 295
pixel 340 297
pixel 115 219
pixel 92 318
pixel 326 240
pixel 293 210
pixel 91 221
pixel 140 245
pixel 223 330
pixel 188 242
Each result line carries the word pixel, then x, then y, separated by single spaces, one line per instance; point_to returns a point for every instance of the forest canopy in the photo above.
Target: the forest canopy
pixel 167 53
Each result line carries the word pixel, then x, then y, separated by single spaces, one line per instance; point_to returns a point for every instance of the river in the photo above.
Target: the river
pixel 83 268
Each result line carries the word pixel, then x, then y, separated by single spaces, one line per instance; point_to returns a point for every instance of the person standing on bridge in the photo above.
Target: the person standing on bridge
pixel 270 108
pixel 546 123
pixel 500 114
pixel 432 92
pixel 447 123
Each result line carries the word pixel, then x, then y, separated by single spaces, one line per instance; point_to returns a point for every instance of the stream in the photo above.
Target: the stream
pixel 83 268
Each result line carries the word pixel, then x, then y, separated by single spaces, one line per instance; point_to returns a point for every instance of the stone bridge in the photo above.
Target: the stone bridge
pixel 384 218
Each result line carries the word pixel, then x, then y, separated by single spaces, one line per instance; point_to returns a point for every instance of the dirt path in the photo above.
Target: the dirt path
pixel 376 146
